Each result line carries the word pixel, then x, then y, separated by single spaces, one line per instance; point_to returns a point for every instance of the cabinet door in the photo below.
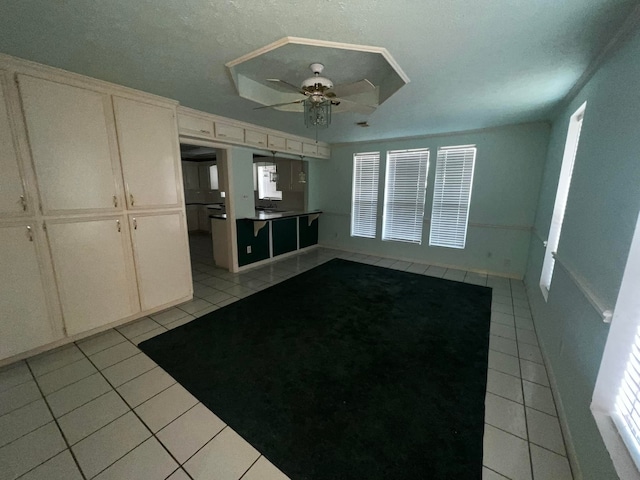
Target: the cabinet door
pixel 277 143
pixel 229 133
pixel 255 138
pixel 92 262
pixel 149 151
pixel 12 195
pixel 294 146
pixel 25 322
pixel 161 251
pixel 72 145
pixel 195 126
pixel 310 149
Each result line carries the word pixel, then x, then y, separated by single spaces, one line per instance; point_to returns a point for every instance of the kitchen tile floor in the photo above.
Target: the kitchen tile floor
pixel 100 408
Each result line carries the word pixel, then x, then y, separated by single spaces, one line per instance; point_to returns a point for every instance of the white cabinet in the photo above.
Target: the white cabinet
pixel 324 151
pixel 228 132
pixel 253 137
pixel 162 260
pixel 92 263
pixel 195 126
pixel 72 146
pixel 13 199
pixel 26 323
pixel 310 149
pixel 149 152
pixel 277 143
pixel 294 146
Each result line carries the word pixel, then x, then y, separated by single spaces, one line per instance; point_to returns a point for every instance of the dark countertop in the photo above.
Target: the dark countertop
pixel 262 216
pixel 208 205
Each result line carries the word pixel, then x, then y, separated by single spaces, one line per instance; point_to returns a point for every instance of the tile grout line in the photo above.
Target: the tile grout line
pixel 526 421
pixel 140 419
pixel 553 398
pixel 64 437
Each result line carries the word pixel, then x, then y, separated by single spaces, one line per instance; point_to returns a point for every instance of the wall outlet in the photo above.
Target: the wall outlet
pixel 249 249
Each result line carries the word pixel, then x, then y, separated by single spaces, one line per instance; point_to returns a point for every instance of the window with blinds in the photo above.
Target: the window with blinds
pixel 452 196
pixel 364 191
pixel 627 415
pixel 404 194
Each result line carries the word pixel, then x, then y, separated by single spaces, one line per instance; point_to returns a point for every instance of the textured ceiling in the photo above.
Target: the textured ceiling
pixel 472 64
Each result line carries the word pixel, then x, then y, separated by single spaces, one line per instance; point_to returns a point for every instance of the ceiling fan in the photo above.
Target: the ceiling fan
pixel 320 95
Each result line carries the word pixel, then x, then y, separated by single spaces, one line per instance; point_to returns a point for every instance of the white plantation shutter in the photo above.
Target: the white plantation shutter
pixel 627 416
pixel 452 196
pixel 364 202
pixel 404 194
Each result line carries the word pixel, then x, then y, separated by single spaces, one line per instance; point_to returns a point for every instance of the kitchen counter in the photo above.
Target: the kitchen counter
pixel 264 216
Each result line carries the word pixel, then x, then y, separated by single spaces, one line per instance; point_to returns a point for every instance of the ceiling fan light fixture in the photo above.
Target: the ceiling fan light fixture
pixel 317 114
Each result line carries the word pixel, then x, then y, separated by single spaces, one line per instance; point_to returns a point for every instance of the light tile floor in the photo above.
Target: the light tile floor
pixel 100 408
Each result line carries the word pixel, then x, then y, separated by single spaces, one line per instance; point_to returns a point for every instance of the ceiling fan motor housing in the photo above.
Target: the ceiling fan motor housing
pixel 317 81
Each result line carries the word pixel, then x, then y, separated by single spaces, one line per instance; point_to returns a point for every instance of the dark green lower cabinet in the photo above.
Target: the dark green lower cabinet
pixel 308 233
pixel 247 240
pixel 285 235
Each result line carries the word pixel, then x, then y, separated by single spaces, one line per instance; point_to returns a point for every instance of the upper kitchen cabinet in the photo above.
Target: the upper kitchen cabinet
pixel 195 126
pixel 73 146
pixel 149 151
pixel 13 200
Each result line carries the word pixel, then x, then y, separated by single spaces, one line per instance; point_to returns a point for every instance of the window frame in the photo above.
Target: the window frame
pixel 562 195
pixel 393 196
pixel 357 229
pixel 442 190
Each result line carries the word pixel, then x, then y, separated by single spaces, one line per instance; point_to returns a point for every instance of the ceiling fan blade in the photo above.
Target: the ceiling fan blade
pixel 289 86
pixel 353 88
pixel 280 104
pixel 343 105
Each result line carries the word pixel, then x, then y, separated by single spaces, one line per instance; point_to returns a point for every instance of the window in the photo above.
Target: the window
pixel 570 149
pixel 213 177
pixel 452 196
pixel 364 191
pixel 267 185
pixel 404 194
pixel 616 398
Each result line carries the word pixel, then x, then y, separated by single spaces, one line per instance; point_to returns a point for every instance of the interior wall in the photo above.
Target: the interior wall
pixel 603 204
pixel 508 172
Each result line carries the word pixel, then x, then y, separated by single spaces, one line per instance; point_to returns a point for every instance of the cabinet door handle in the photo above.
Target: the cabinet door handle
pixel 131 199
pixel 205 131
pixel 23 202
pixel 118 224
pixel 115 201
pixel 135 224
pixel 29 233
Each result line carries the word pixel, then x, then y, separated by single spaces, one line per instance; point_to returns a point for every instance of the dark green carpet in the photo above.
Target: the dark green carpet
pixel 347 371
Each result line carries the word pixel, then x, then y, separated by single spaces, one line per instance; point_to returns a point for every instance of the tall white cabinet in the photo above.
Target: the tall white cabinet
pixel 25 320
pixel 13 201
pixel 92 220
